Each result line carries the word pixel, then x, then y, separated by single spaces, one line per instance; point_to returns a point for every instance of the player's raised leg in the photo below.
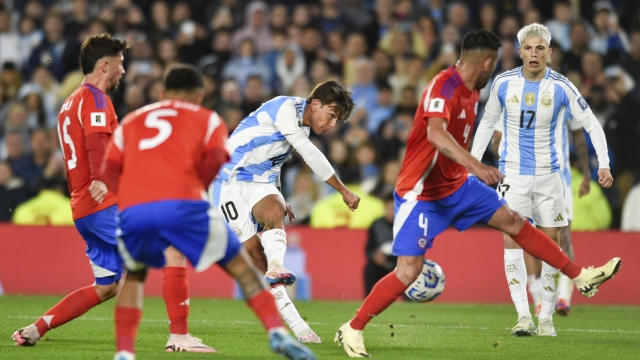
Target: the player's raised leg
pixel 538 244
pixel 175 291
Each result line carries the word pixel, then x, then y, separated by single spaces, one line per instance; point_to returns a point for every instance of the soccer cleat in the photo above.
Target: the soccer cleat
pixel 352 341
pixel 563 308
pixel 524 327
pixel 279 275
pixel 591 278
pixel 308 336
pixel 284 344
pixel 27 336
pixel 546 328
pixel 537 310
pixel 187 343
pixel 124 355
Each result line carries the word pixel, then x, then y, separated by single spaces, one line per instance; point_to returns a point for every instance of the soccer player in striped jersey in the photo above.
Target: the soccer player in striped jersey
pixel 532 99
pixel 247 188
pixel 434 190
pixel 533 265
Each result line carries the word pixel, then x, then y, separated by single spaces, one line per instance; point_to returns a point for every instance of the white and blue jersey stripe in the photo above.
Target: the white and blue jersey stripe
pixel 261 142
pixel 531 114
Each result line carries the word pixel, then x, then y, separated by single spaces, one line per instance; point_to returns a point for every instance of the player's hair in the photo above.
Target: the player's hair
pixel 534 30
pixel 182 77
pixel 480 40
pixel 334 95
pixel 95 47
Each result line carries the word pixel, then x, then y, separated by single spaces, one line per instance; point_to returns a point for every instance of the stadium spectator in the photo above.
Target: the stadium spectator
pixel 55 52
pixel 631 63
pixel 254 95
pixel 256 28
pixel 609 39
pixel 579 37
pixel 378 248
pixel 32 170
pixel 12 191
pixel 244 64
pixel 49 207
pixel 560 25
pixel 9 40
pixel 305 194
pixel 289 65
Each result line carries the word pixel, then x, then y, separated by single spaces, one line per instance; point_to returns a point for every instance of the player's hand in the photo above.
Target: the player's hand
pixel 98 190
pixel 289 212
pixel 585 187
pixel 488 174
pixel 604 178
pixel 352 200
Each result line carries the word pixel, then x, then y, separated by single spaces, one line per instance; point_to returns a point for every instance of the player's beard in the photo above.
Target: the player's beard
pixel 114 85
pixel 482 81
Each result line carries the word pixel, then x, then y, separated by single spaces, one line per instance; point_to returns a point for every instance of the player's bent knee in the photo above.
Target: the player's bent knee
pixel 174 257
pixel 408 274
pixel 106 292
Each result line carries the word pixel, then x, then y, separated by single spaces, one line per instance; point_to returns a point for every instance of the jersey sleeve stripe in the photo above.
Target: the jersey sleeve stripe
pixel 565 81
pixel 213 123
pixel 98 98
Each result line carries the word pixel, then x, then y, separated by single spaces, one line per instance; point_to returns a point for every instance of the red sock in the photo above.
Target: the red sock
pixel 127 322
pixel 69 308
pixel 264 305
pixel 538 244
pixel 175 290
pixel 383 294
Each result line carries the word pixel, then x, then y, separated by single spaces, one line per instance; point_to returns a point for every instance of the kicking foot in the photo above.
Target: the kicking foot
pixel 591 278
pixel 279 275
pixel 284 344
pixel 308 336
pixel 187 343
pixel 524 327
pixel 352 341
pixel 27 336
pixel 546 328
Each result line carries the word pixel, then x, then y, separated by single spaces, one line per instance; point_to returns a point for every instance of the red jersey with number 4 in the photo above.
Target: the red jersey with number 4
pixel 88 110
pixel 426 174
pixel 160 148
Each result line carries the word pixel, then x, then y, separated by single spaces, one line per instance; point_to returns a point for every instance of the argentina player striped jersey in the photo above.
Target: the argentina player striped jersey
pixel 570 124
pixel 261 142
pixel 531 113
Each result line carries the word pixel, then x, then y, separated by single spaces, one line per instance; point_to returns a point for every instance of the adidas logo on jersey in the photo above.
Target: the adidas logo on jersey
pixel 462 115
pixel 559 218
pixel 514 99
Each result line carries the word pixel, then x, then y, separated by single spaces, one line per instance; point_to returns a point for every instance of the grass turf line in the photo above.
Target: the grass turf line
pixel 404 331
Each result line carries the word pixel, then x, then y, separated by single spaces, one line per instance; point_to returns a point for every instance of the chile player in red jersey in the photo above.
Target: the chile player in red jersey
pixel 434 190
pixel 160 160
pixel 85 124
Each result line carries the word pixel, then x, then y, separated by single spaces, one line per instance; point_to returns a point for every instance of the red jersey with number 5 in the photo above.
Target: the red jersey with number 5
pixel 160 148
pixel 426 174
pixel 88 110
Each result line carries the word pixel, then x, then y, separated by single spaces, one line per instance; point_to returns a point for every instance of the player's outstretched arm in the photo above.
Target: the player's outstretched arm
pixel 446 144
pixel 352 200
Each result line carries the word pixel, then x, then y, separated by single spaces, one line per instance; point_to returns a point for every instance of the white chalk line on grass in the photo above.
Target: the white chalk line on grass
pixel 244 322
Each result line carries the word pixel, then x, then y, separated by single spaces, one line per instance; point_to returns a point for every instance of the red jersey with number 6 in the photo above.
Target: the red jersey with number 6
pixel 426 174
pixel 159 149
pixel 88 110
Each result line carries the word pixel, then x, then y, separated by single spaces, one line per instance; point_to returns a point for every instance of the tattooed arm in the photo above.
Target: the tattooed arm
pixel 446 144
pixel 580 144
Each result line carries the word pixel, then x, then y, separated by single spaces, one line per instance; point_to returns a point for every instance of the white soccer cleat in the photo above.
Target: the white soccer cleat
pixel 546 328
pixel 187 343
pixel 284 344
pixel 279 275
pixel 308 336
pixel 591 278
pixel 124 355
pixel 524 327
pixel 27 336
pixel 352 341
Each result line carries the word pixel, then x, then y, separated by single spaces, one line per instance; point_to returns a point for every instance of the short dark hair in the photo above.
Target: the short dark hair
pixel 336 96
pixel 480 40
pixel 182 77
pixel 95 47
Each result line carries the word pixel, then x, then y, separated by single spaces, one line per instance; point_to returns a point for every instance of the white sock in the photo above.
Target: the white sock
pixel 535 289
pixel 516 273
pixel 178 337
pixel 566 288
pixel 288 311
pixel 274 242
pixel 549 290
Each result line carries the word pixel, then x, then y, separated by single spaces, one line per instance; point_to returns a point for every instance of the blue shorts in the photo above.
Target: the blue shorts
pixel 418 222
pixel 99 232
pixel 191 226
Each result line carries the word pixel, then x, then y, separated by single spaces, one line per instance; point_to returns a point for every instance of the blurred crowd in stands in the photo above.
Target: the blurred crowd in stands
pixel 386 51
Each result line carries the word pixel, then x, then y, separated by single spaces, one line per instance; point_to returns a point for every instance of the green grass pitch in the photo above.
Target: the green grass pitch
pixel 405 331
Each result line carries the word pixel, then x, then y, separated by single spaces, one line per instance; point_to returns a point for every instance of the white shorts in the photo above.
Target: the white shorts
pixel 236 199
pixel 537 197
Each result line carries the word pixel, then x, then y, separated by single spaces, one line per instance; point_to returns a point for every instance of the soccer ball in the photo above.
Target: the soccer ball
pixel 429 284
